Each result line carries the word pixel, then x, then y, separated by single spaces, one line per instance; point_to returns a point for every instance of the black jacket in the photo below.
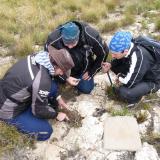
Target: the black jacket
pixel 26 84
pixel 137 66
pixel 89 52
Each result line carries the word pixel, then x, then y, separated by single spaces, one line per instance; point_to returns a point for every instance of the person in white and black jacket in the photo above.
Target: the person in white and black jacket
pixel 136 69
pixel 86 47
pixel 29 94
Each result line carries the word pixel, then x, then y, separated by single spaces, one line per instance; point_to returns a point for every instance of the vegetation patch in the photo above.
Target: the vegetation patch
pixel 28 23
pixel 112 4
pixel 120 112
pixel 111 94
pixel 11 138
pixel 127 20
pixel 108 26
pixel 5 67
pixel 157 23
pixel 68 92
pixel 75 119
pixel 157 37
pixel 90 15
pixel 141 106
pixel 141 116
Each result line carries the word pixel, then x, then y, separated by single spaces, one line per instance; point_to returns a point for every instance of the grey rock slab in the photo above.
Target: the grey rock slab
pixel 121 133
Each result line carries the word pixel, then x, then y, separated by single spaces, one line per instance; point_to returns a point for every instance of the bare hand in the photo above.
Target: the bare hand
pixel 62 116
pixel 86 76
pixel 106 66
pixel 117 82
pixel 62 103
pixel 73 81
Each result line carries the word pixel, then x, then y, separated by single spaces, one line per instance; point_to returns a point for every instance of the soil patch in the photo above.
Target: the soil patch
pixel 75 119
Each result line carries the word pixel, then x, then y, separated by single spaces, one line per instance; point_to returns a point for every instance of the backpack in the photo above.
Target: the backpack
pixel 150 44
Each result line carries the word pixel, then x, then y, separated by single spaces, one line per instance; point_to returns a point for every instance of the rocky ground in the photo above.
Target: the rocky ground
pixel 85 142
pixel 82 137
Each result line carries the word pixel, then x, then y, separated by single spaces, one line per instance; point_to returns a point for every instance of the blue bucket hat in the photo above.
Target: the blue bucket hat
pixel 120 41
pixel 70 33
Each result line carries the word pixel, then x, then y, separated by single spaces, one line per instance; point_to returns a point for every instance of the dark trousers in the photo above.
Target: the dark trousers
pixel 85 86
pixel 133 95
pixel 29 124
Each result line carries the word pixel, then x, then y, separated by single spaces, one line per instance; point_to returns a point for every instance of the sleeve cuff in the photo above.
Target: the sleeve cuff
pixel 120 79
pixel 58 97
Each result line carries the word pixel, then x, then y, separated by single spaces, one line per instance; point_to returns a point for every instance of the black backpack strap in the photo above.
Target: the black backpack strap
pixel 149 46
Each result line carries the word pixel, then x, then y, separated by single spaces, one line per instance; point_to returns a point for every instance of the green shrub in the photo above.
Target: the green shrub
pixel 127 20
pixel 71 5
pixel 141 6
pixel 110 92
pixel 157 37
pixel 133 9
pixel 4 68
pixel 157 25
pixel 11 138
pixel 111 4
pixel 39 37
pixel 144 24
pixel 89 15
pixel 6 39
pixel 156 5
pixel 141 116
pixel 23 48
pixel 20 18
pixel 120 112
pixel 108 26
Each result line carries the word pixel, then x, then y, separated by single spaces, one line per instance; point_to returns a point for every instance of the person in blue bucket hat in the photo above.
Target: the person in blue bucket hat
pixel 137 72
pixel 87 49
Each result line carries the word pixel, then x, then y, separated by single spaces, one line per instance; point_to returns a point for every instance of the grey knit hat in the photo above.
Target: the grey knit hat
pixel 62 59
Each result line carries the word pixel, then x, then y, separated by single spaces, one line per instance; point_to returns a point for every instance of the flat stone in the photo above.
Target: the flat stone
pixel 121 133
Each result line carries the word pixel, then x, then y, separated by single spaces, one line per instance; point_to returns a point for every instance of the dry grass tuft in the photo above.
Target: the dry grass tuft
pixel 75 119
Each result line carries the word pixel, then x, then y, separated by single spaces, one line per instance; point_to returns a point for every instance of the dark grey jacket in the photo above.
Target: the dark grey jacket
pixel 26 84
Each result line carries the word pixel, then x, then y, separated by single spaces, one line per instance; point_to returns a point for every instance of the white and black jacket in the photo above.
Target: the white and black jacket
pixel 26 84
pixel 138 65
pixel 89 52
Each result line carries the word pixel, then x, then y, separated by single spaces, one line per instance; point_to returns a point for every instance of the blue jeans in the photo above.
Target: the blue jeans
pixel 85 86
pixel 54 89
pixel 28 123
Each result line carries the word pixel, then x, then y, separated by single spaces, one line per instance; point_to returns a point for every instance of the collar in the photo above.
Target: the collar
pixel 129 51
